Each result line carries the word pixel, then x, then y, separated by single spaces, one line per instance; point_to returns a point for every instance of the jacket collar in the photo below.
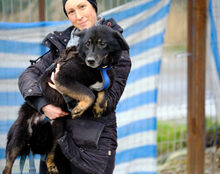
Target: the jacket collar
pixel 59 39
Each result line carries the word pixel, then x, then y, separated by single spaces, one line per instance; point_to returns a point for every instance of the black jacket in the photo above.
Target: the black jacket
pixel 99 135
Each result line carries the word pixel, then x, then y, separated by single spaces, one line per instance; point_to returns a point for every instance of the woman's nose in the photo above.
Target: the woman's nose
pixel 78 15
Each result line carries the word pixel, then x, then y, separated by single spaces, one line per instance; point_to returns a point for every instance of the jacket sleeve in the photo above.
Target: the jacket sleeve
pixel 28 81
pixel 122 70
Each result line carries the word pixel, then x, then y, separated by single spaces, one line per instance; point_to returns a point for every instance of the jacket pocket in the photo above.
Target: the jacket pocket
pixel 91 161
pixel 86 133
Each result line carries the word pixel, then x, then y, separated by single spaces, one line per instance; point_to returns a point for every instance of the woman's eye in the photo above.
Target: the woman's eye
pixel 82 6
pixel 71 12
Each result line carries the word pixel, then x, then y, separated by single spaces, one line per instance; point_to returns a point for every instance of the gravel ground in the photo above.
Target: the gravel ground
pixel 176 163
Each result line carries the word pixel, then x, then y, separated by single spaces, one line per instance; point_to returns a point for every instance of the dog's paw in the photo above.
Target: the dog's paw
pixel 79 110
pixel 6 171
pixel 97 115
pixel 76 113
pixel 98 110
pixel 53 170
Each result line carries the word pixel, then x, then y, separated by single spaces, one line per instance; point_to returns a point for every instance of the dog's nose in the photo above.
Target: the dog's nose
pixel 91 60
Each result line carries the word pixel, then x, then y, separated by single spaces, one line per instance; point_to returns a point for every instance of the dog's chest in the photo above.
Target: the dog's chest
pixel 96 79
pixel 98 86
pixel 105 80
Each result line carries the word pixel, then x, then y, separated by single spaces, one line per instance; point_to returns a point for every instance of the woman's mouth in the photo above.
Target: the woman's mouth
pixel 83 23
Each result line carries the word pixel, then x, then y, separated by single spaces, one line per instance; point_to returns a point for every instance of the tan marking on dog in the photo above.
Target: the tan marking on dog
pixel 80 108
pixel 99 40
pixel 105 56
pixel 84 101
pixel 98 110
pixel 89 42
pixel 10 158
pixel 51 167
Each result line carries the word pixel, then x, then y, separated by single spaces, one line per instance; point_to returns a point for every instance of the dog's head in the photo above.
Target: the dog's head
pixel 101 46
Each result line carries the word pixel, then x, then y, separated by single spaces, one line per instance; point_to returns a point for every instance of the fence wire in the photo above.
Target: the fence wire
pixel 27 10
pixel 172 93
pixel 172 98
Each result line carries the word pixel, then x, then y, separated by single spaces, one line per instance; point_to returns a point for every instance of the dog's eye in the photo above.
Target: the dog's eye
pixel 103 44
pixel 88 43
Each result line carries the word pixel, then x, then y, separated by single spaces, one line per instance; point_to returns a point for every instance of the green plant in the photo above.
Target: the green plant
pixel 170 137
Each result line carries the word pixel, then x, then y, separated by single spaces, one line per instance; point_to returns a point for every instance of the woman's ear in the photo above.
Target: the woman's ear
pixel 122 42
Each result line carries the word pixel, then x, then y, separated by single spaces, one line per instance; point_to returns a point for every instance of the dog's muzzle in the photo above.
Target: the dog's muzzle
pixel 92 62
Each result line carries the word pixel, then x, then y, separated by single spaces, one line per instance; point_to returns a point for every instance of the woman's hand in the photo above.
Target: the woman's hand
pixel 53 112
pixel 53 74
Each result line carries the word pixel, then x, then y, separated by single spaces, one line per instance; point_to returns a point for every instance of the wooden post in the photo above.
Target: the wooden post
pixel 41 7
pixel 197 10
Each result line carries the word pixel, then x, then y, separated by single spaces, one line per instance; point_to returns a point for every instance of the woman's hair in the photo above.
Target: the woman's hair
pixel 93 2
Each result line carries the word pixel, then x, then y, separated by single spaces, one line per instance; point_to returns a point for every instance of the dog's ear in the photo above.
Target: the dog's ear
pixel 80 33
pixel 123 43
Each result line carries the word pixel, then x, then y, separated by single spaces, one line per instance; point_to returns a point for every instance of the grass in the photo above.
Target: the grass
pixel 172 136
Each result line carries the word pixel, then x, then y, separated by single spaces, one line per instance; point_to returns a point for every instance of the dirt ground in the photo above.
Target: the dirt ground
pixel 176 163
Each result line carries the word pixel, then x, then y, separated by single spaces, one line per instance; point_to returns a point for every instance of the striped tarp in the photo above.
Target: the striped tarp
pixel 213 53
pixel 144 23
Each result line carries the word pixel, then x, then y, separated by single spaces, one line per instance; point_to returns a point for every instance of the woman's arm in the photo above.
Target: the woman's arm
pixel 30 89
pixel 122 70
pixel 28 80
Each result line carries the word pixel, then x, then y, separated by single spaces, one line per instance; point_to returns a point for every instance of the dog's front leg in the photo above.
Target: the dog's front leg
pixel 100 104
pixel 79 92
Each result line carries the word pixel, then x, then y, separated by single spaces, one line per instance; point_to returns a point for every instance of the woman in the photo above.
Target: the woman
pixel 87 153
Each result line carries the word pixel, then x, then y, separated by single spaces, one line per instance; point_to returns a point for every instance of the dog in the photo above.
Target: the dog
pixel 79 78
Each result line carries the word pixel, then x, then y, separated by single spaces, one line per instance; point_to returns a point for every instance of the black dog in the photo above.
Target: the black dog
pixel 99 47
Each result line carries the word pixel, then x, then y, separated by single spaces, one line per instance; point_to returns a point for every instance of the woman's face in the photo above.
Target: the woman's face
pixel 81 13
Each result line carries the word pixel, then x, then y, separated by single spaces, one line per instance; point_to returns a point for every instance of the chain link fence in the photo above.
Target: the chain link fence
pixel 172 99
pixel 27 10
